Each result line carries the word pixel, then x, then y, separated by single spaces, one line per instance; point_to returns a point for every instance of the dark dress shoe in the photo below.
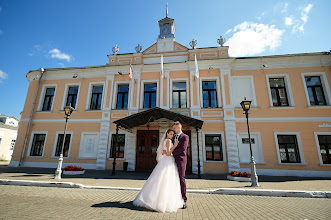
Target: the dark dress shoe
pixel 184 205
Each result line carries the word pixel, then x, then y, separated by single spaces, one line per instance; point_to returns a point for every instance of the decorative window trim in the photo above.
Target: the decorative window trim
pixel 319 148
pixel 116 84
pixel 287 86
pixel 55 143
pixel 204 147
pixel 88 102
pixel 31 140
pixel 178 80
pixel 260 150
pixel 218 91
pixel 254 101
pixel 42 97
pixel 110 141
pixel 142 86
pixel 325 85
pixel 65 95
pixel 81 142
pixel 299 147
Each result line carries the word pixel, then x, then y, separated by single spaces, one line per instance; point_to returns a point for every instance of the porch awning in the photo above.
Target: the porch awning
pixel 153 114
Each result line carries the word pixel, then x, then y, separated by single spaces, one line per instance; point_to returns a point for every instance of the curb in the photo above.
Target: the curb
pixel 223 191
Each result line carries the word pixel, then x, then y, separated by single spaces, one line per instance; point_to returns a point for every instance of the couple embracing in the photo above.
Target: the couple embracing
pixel 165 188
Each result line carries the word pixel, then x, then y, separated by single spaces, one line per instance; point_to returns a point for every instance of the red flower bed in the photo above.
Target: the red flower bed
pixel 73 168
pixel 239 174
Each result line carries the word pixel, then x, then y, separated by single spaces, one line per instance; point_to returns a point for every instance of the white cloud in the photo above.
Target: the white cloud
pixel 252 38
pixel 304 14
pixel 288 21
pixel 300 23
pixel 228 31
pixel 261 16
pixel 35 50
pixel 285 8
pixel 3 75
pixel 57 54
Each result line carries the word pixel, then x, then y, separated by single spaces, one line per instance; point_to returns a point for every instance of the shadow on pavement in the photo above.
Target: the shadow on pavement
pixel 126 205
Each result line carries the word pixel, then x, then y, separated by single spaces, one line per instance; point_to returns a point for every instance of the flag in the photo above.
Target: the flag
pixel 130 71
pixel 161 71
pixel 196 67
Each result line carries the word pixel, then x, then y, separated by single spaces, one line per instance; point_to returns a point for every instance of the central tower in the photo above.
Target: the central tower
pixel 165 41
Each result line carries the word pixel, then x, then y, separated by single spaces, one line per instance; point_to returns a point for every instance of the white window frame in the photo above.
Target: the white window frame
pixel 179 80
pixel 218 91
pixel 299 147
pixel 125 145
pixel 31 140
pixel 88 101
pixel 142 100
pixel 325 85
pixel 116 84
pixel 55 143
pixel 260 150
pixel 82 140
pixel 287 87
pixel 319 148
pixel 204 147
pixel 65 95
pixel 42 97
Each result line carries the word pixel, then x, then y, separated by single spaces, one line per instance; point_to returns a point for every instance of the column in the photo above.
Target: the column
pixel 130 149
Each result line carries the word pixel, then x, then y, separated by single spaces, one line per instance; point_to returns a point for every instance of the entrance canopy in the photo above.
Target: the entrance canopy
pixel 153 114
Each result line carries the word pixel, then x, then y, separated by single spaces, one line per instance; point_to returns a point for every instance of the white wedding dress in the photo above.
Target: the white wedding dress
pixel 161 192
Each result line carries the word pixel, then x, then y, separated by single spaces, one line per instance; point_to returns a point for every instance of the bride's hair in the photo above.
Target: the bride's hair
pixel 168 131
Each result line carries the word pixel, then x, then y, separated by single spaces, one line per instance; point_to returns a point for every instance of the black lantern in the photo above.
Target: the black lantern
pixel 246 105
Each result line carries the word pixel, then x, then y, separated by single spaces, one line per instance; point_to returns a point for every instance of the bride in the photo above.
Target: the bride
pixel 161 192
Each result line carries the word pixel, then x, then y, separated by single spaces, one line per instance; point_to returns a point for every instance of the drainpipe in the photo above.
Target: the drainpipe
pixel 30 119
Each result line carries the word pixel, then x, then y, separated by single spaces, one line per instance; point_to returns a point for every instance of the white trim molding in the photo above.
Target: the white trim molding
pixel 319 147
pixel 288 88
pixel 218 91
pixel 222 147
pixel 180 80
pixel 65 95
pixel 89 166
pixel 42 97
pixel 143 82
pixel 241 135
pixel 55 143
pixel 116 84
pixel 81 144
pixel 286 172
pixel 88 101
pixel 325 85
pixel 31 140
pixel 297 134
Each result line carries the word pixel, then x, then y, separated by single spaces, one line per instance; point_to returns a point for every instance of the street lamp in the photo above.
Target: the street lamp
pixel 67 110
pixel 246 106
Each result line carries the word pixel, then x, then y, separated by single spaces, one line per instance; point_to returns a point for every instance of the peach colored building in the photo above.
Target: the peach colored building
pixel 290 118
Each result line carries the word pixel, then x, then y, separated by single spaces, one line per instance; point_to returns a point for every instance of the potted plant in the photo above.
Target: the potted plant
pixel 73 170
pixel 238 176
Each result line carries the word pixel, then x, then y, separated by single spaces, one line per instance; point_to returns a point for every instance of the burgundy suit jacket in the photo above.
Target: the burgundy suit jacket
pixel 180 150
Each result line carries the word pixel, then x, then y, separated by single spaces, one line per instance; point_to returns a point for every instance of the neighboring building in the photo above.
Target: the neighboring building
pixel 8 134
pixel 290 118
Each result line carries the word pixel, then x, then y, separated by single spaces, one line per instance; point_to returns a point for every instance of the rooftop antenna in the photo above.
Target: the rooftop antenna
pixel 167 10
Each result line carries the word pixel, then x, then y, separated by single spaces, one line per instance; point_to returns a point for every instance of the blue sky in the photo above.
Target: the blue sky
pixel 53 34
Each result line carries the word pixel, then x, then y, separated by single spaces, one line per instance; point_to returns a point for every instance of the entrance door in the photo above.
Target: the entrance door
pixel 147 143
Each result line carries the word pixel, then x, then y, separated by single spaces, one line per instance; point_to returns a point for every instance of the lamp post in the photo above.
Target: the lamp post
pixel 67 110
pixel 246 106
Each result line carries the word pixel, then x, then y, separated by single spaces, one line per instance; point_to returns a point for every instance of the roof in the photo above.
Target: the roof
pixel 153 114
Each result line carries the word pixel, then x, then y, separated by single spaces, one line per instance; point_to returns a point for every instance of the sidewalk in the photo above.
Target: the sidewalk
pixel 269 185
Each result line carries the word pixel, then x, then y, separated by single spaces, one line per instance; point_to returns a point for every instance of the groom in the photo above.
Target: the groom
pixel 180 156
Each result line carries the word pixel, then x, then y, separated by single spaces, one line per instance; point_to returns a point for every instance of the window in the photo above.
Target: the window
pixel 209 94
pixel 48 99
pixel 72 96
pixel 59 145
pixel 96 97
pixel 213 145
pixel 179 95
pixel 150 95
pixel 315 90
pixel 278 92
pixel 325 148
pixel 122 97
pixel 120 147
pixel 12 144
pixel 288 149
pixel 37 145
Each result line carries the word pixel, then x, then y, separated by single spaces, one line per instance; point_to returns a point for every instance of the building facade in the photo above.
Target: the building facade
pixel 8 135
pixel 290 117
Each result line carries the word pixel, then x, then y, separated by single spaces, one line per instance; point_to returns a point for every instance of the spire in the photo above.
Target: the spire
pixel 167 11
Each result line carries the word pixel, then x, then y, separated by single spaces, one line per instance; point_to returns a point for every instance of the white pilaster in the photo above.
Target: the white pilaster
pixel 232 145
pixel 102 149
pixel 130 148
